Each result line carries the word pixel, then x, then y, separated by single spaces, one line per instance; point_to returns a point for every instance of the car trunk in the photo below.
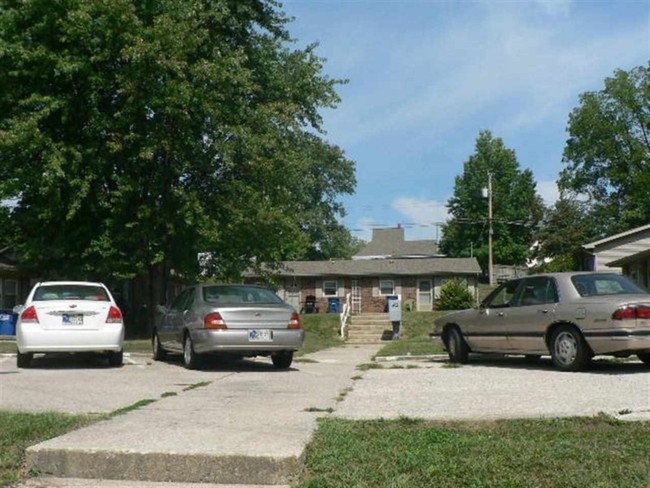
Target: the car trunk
pixel 266 317
pixel 72 315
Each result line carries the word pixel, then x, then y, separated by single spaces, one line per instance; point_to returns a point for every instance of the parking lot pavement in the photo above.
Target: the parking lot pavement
pixel 498 388
pixel 81 384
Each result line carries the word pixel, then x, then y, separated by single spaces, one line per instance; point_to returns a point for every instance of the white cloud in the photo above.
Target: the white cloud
pixel 548 191
pixel 424 217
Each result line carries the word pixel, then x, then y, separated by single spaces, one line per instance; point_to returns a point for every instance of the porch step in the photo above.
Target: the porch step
pixel 369 328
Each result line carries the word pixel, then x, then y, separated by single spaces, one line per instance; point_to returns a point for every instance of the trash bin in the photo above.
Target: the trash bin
pixel 333 305
pixel 388 299
pixel 7 322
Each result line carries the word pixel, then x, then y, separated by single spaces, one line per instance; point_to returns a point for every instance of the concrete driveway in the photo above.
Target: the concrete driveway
pixel 232 397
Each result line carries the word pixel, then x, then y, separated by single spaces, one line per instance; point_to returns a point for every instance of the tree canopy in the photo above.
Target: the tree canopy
pixel 136 134
pixel 516 206
pixel 607 155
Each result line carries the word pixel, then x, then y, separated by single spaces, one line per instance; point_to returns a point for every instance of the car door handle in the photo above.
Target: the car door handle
pixel 543 310
pixel 501 314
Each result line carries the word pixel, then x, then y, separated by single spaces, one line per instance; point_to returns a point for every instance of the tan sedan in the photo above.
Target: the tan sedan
pixel 571 316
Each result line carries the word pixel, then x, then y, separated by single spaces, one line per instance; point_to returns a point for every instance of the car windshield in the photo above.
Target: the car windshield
pixel 70 292
pixel 589 285
pixel 234 294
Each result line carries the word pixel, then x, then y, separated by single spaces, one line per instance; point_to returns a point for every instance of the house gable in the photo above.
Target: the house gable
pixel 616 248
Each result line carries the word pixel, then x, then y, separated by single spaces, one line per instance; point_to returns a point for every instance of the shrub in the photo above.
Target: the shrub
pixel 454 295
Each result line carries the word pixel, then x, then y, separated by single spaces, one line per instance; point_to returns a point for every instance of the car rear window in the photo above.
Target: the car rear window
pixel 235 295
pixel 604 284
pixel 70 292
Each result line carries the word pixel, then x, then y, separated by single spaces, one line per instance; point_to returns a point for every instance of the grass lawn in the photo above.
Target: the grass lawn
pixel 576 452
pixel 414 336
pixel 21 430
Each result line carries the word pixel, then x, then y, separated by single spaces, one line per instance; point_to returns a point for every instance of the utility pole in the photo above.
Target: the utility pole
pixel 490 231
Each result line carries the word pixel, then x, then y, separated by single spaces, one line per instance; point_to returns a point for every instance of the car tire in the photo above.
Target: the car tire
pixel 457 347
pixel 116 359
pixel 158 353
pixel 282 360
pixel 569 350
pixel 191 360
pixel 644 357
pixel 24 360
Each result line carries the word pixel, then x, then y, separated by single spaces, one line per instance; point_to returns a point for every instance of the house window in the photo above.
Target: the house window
pixel 386 287
pixel 9 294
pixel 330 288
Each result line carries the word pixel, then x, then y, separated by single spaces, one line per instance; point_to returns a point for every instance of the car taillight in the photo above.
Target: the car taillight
pixel 295 322
pixel 29 315
pixel 114 315
pixel 632 312
pixel 214 320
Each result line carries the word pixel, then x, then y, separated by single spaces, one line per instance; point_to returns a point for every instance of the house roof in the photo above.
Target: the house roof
pixel 391 243
pixel 606 240
pixel 380 267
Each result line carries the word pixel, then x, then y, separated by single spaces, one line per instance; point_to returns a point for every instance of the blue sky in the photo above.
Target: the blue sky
pixel 425 76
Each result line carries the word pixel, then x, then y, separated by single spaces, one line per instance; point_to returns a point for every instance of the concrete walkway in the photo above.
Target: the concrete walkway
pixel 247 428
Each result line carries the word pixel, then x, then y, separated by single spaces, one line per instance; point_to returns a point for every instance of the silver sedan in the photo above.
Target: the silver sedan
pixel 571 316
pixel 235 320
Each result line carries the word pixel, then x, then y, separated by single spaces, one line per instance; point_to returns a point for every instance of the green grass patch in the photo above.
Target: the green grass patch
pixel 414 336
pixel 21 430
pixel 200 384
pixel 321 332
pixel 577 452
pixel 130 408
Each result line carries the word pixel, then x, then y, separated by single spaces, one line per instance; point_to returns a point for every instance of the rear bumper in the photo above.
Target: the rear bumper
pixel 237 341
pixel 619 341
pixel 31 338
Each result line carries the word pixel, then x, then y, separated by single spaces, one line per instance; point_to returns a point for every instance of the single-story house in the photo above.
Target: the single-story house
pixel 602 255
pixel 388 266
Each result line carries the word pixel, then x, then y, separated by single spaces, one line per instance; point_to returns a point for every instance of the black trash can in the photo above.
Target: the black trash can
pixel 333 305
pixel 8 322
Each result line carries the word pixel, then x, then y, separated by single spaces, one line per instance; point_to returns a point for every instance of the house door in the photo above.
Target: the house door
pixel 293 295
pixel 425 296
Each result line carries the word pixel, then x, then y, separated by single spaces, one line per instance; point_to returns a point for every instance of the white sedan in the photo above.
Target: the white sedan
pixel 70 316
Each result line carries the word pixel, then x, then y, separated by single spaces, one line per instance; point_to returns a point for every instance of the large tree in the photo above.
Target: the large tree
pixel 516 206
pixel 136 134
pixel 607 155
pixel 566 226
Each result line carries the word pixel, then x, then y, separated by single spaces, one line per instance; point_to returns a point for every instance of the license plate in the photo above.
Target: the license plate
pixel 73 319
pixel 260 335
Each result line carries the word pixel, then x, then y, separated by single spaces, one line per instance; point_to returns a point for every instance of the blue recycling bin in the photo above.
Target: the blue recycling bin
pixel 8 322
pixel 333 305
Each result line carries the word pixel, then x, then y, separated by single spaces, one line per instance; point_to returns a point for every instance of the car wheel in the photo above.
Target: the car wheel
pixel 159 354
pixel 457 347
pixel 115 359
pixel 24 360
pixel 644 357
pixel 282 360
pixel 191 359
pixel 569 350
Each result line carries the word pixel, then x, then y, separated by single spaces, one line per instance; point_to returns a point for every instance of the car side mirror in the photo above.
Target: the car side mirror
pixel 161 309
pixel 18 309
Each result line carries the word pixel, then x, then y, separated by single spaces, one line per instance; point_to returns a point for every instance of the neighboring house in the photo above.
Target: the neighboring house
pixel 611 252
pixel 388 266
pixel 390 243
pixel 636 266
pixel 14 285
